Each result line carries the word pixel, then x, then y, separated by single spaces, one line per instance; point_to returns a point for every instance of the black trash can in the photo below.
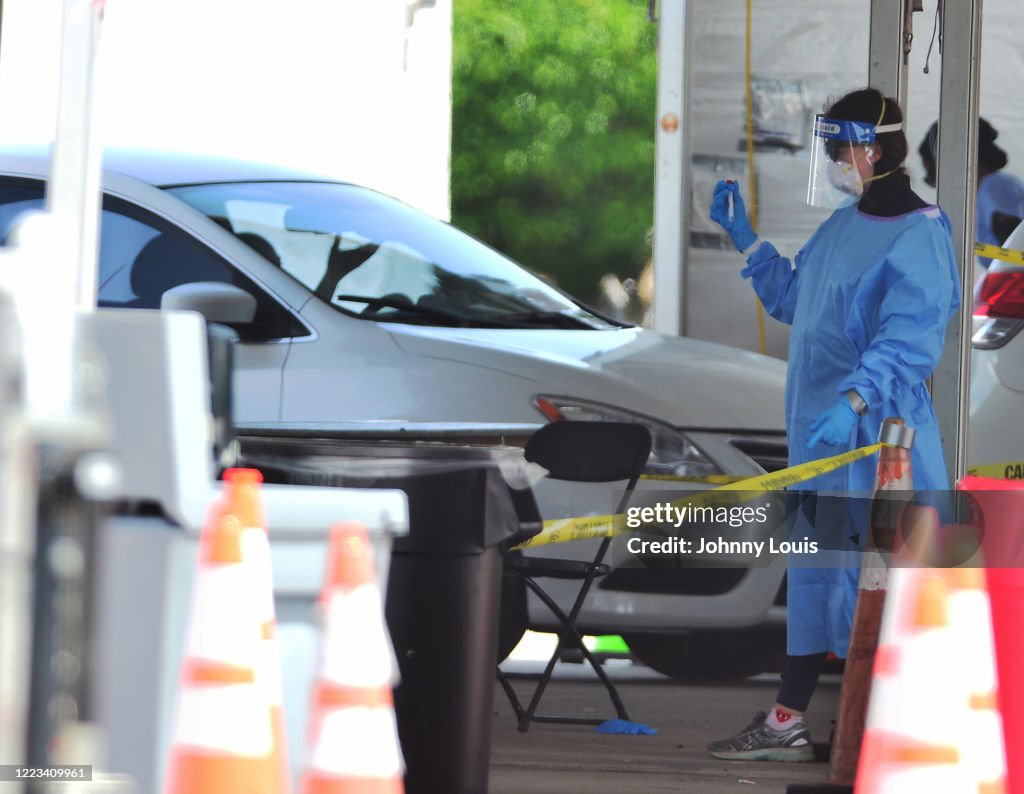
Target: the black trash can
pixel 444 584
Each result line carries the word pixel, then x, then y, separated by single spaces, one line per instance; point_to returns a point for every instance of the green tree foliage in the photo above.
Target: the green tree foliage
pixel 553 133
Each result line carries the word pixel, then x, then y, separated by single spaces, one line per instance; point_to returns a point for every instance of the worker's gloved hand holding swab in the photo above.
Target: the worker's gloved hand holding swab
pixel 728 211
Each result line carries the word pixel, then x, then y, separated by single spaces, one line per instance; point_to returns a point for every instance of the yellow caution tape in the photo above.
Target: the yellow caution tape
pixel 562 530
pixel 711 479
pixel 1011 470
pixel 995 252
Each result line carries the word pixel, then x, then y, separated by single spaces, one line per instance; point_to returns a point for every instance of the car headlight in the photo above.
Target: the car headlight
pixel 671 451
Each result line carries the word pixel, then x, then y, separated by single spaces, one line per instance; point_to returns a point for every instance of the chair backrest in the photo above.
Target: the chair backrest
pixel 591 451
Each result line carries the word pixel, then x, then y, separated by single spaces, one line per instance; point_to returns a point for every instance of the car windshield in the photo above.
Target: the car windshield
pixel 376 258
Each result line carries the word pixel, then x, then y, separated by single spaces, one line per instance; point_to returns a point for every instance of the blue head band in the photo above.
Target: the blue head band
pixel 859 132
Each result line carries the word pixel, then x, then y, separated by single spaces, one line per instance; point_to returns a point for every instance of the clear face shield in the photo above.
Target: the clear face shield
pixel 838 149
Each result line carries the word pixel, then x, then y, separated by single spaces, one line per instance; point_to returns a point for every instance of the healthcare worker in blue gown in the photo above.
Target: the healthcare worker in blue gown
pixel 869 298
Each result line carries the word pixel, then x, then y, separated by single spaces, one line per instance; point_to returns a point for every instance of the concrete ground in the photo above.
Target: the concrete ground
pixel 573 759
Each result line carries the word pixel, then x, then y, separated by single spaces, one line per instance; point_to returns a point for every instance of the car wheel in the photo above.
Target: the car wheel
pixel 709 653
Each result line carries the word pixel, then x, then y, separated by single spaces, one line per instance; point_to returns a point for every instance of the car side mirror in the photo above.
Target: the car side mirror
pixel 216 301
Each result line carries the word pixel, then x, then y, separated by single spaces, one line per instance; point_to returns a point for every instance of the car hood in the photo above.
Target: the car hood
pixel 683 382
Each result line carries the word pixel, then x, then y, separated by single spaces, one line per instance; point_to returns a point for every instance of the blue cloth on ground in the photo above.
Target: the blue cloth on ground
pixel 625 726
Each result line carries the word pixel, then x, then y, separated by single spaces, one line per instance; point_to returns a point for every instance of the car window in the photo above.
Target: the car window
pixel 122 239
pixel 377 258
pixel 142 256
pixel 15 199
pixel 141 260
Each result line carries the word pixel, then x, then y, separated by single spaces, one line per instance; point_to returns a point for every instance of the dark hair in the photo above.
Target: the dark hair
pixel 867 104
pixel 990 157
pixel 927 150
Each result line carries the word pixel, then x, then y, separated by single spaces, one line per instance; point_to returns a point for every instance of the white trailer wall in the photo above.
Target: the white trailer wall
pixel 357 89
pixel 825 45
pixel 791 40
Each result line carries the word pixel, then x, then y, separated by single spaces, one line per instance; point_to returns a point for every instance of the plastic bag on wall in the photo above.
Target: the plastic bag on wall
pixel 780 113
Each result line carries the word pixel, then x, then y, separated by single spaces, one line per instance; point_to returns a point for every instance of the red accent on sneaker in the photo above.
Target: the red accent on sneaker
pixel 783 716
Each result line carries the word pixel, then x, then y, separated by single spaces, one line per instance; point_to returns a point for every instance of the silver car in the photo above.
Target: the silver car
pixel 354 307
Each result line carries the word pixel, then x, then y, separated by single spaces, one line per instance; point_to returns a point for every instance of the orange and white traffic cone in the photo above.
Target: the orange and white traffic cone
pixel 223 737
pixel 933 724
pixel 999 511
pixel 353 732
pixel 242 498
pixel 893 484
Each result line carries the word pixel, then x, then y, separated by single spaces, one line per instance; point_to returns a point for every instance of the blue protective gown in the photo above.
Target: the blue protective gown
pixel 869 301
pixel 997 192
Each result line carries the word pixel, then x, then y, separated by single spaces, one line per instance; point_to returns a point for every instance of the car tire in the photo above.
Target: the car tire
pixel 709 653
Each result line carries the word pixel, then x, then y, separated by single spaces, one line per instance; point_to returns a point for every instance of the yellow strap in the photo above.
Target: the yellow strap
pixel 752 182
pixel 562 530
pixel 995 252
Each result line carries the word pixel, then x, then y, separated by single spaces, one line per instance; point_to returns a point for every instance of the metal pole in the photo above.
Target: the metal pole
pixel 67 518
pixel 672 169
pixel 73 192
pixel 16 543
pixel 64 400
pixel 957 191
pixel 888 48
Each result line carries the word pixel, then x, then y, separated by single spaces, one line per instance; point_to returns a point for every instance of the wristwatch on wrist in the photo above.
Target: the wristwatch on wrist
pixel 857 403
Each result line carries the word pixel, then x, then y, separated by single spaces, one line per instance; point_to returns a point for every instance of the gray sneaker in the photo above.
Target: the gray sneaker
pixel 759 742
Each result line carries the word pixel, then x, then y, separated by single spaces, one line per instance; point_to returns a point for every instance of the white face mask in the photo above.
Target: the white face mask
pixel 845 177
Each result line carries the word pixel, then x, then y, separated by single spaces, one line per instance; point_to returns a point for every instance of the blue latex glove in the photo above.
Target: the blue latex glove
pixel 739 228
pixel 834 425
pixel 626 727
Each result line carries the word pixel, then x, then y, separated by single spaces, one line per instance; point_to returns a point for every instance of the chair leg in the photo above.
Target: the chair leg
pixel 569 621
pixel 529 715
pixel 570 632
pixel 567 634
pixel 526 716
pixel 570 624
pixel 613 692
pixel 510 693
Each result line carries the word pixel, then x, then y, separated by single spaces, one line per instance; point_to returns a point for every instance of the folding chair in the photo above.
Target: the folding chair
pixel 585 452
